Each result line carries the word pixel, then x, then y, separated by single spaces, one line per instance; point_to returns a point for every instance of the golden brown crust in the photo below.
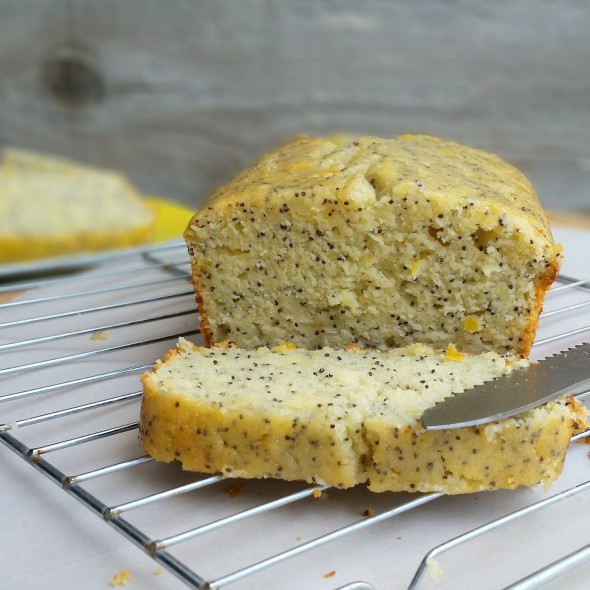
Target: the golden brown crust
pixel 477 458
pixel 543 285
pixel 204 325
pixel 295 162
pixel 580 417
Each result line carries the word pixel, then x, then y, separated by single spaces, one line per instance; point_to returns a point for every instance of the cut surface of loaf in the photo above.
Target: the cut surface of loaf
pixel 381 242
pixel 53 207
pixel 344 417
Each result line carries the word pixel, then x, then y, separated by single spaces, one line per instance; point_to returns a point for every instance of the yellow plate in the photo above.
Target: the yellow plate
pixel 172 219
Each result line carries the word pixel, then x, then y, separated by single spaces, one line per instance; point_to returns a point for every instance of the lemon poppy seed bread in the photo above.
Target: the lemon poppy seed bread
pixel 54 207
pixel 381 242
pixel 344 417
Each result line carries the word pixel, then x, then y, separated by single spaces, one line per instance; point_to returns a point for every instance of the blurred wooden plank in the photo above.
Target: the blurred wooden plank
pixel 181 95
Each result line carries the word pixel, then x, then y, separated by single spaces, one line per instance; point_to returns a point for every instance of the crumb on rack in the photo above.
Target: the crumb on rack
pixel 234 490
pixel 158 572
pixel 330 574
pixel 121 578
pixel 317 493
pixel 434 568
pixel 368 512
pixel 100 335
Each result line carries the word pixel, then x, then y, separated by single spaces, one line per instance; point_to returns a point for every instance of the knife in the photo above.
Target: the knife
pixel 511 394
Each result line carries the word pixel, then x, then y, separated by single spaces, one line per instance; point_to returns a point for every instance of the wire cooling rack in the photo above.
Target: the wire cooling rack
pixel 71 352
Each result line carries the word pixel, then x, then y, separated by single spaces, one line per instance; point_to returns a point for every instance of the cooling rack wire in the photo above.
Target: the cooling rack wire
pixel 71 351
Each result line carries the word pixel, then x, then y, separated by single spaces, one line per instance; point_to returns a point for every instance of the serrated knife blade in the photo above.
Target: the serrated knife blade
pixel 509 395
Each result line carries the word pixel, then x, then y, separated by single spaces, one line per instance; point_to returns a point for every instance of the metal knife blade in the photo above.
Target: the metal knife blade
pixel 511 394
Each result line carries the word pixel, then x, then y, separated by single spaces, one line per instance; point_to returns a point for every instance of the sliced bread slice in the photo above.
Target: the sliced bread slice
pixel 344 417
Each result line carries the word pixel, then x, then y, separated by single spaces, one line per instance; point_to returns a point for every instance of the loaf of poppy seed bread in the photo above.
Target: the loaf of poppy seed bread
pixel 344 417
pixel 381 242
pixel 54 207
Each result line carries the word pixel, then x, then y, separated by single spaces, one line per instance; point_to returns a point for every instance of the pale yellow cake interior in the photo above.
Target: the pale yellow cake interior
pixel 378 242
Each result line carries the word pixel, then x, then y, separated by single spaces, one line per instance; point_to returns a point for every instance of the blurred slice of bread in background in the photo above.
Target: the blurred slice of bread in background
pixel 54 207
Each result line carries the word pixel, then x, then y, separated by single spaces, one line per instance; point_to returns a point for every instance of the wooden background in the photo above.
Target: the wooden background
pixel 181 94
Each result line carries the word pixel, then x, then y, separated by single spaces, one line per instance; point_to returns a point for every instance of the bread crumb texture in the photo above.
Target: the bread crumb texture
pixel 344 417
pixel 53 207
pixel 380 242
